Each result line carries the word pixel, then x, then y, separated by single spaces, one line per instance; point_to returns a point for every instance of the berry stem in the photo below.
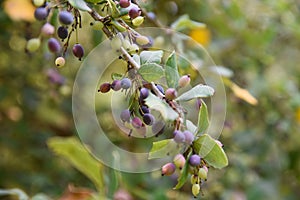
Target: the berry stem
pixel 129 59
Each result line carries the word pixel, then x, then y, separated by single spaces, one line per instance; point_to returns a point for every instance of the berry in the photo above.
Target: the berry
pixel 133 48
pixel 137 122
pixel 54 45
pixel 104 87
pixel 116 43
pixel 194 179
pixel 47 29
pixel 171 94
pixel 116 85
pixel 97 25
pixel 158 127
pixel 148 119
pixel 137 21
pixel 41 13
pixel 54 77
pixel 184 81
pixel 202 173
pixel 145 109
pixel 168 169
pixel 125 115
pixel 134 12
pixel 126 83
pixel 38 3
pixel 179 161
pixel 78 51
pixel 62 32
pixel 33 44
pixel 65 17
pixel 124 3
pixel 189 137
pixel 195 160
pixel 60 62
pixel 160 88
pixel 142 40
pixel 144 93
pixel 178 136
pixel 195 189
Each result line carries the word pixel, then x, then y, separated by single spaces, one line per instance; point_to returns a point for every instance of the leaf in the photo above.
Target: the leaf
pixel 191 127
pixel 163 148
pixel 151 57
pixel 80 4
pixel 184 23
pixel 210 151
pixel 171 71
pixel 199 91
pixel 243 94
pixel 116 76
pixel 151 71
pixel 203 121
pixel 184 173
pixel 73 151
pixel 156 103
pixel 222 71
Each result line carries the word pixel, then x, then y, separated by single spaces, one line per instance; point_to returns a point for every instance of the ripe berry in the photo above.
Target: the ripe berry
pixel 126 83
pixel 60 62
pixel 41 13
pixel 33 44
pixel 137 122
pixel 124 3
pixel 195 189
pixel 104 87
pixel 144 93
pixel 145 109
pixel 65 17
pixel 195 160
pixel 62 32
pixel 47 29
pixel 184 80
pixel 171 94
pixel 134 12
pixel 168 169
pixel 54 45
pixel 148 119
pixel 202 173
pixel 125 115
pixel 116 85
pixel 189 137
pixel 179 161
pixel 78 51
pixel 137 21
pixel 160 88
pixel 178 136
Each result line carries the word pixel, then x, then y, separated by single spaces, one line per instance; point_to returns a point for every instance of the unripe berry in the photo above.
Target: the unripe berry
pixel 195 189
pixel 65 17
pixel 33 44
pixel 54 45
pixel 195 160
pixel 124 3
pixel 204 167
pixel 189 137
pixel 148 119
pixel 138 21
pixel 184 81
pixel 125 115
pixel 144 93
pixel 134 12
pixel 178 136
pixel 202 173
pixel 38 3
pixel 104 87
pixel 78 51
pixel 47 29
pixel 142 40
pixel 116 43
pixel 137 122
pixel 126 44
pixel 60 62
pixel 41 13
pixel 116 85
pixel 179 161
pixel 97 25
pixel 168 169
pixel 126 83
pixel 171 94
pixel 62 32
pixel 194 179
pixel 133 48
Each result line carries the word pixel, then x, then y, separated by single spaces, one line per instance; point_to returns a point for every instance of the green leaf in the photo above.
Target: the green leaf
pixel 199 91
pixel 80 4
pixel 151 71
pixel 210 151
pixel 171 71
pixel 184 173
pixel 158 104
pixel 185 23
pixel 151 56
pixel 203 121
pixel 73 151
pixel 116 76
pixel 163 148
pixel 222 71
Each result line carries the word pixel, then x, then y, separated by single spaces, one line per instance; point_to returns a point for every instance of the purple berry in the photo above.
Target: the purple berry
pixel 178 136
pixel 145 109
pixel 189 137
pixel 171 94
pixel 65 17
pixel 54 45
pixel 134 12
pixel 55 77
pixel 168 169
pixel 126 83
pixel 160 88
pixel 144 93
pixel 47 29
pixel 104 88
pixel 78 51
pixel 125 115
pixel 124 3
pixel 148 119
pixel 195 160
pixel 62 32
pixel 116 85
pixel 41 13
pixel 137 122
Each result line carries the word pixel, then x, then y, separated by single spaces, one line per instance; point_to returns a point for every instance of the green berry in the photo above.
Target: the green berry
pixel 33 44
pixel 195 189
pixel 38 3
pixel 142 40
pixel 138 21
pixel 116 43
pixel 194 179
pixel 202 173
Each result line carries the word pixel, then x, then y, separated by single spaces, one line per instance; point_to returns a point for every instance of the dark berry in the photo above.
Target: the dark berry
pixel 178 136
pixel 54 45
pixel 125 115
pixel 168 169
pixel 126 83
pixel 144 93
pixel 116 85
pixel 41 13
pixel 62 32
pixel 195 160
pixel 145 109
pixel 160 88
pixel 124 3
pixel 171 94
pixel 137 122
pixel 148 119
pixel 65 17
pixel 104 88
pixel 134 12
pixel 78 51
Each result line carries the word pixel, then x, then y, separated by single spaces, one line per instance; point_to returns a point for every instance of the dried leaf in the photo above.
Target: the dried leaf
pixel 243 94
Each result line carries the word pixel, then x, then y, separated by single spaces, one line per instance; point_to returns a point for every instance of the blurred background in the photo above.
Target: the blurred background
pixel 259 41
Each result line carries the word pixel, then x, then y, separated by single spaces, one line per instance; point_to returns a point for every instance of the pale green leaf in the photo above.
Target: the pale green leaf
pixel 199 91
pixel 151 71
pixel 191 126
pixel 151 56
pixel 80 4
pixel 222 71
pixel 163 149
pixel 185 23
pixel 203 121
pixel 171 71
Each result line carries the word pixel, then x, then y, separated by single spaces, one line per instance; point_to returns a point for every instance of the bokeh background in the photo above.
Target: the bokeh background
pixel 259 41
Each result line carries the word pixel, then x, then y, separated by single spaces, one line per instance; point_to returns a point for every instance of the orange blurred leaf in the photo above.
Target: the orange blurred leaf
pixel 298 115
pixel 201 35
pixel 76 193
pixel 19 10
pixel 243 94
